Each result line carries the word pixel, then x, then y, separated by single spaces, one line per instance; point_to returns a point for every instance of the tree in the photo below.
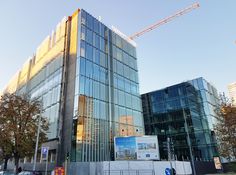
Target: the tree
pixel 5 147
pixel 19 118
pixel 226 129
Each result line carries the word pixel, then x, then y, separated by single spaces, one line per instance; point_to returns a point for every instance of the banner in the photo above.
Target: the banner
pixel 136 148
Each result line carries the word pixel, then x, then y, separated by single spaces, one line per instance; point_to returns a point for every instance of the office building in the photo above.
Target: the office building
pixel 86 76
pixel 167 110
pixel 232 92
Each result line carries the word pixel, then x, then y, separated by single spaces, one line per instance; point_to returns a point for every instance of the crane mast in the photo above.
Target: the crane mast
pixel 165 20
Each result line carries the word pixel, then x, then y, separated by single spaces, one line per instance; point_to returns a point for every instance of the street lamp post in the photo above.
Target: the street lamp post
pixel 36 145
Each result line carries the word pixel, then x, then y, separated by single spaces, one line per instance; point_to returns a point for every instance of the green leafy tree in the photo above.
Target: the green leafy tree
pixel 226 129
pixel 19 118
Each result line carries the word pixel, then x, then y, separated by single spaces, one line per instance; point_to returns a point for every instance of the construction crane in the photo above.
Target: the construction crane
pixel 165 20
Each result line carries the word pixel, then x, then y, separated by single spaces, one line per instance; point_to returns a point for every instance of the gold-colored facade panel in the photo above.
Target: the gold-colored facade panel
pixel 23 75
pixel 58 49
pixel 43 48
pixel 74 35
pixel 51 47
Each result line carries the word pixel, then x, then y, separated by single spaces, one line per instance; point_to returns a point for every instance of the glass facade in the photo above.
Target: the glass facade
pixel 106 99
pixel 41 77
pixel 165 112
pixel 86 76
pixel 46 87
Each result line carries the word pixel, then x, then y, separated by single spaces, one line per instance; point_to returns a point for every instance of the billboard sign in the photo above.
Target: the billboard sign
pixel 147 148
pixel 136 148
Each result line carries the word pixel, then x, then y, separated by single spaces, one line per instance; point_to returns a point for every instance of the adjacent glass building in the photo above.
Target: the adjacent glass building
pixel 165 112
pixel 86 76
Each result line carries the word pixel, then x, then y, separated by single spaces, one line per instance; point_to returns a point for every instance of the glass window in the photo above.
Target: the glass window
pixel 114 51
pixel 121 83
pixel 173 92
pixel 119 55
pixel 116 113
pixel 128 100
pixel 106 46
pixel 96 25
pixel 83 32
pixel 115 81
pixel 83 17
pixel 97 109
pixel 102 92
pixel 96 72
pixel 125 58
pixel 96 56
pixel 127 86
pixel 132 62
pixel 96 41
pixel 82 48
pixel 103 75
pixel 89 52
pixel 89 69
pixel 89 36
pixel 81 84
pixel 102 59
pixel 136 76
pixel 96 90
pixel 102 44
pixel 103 110
pixel 102 32
pixel 121 98
pixel 115 96
pixel 118 41
pixel 126 71
pixel 87 87
pixel 120 68
pixel 89 21
pixel 136 103
pixel 200 84
pixel 114 65
pixel 82 66
pixel 132 75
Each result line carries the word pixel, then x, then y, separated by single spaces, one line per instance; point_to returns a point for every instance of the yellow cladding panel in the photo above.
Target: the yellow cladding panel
pixel 24 73
pixel 74 34
pixel 42 49
pixel 51 47
pixel 55 51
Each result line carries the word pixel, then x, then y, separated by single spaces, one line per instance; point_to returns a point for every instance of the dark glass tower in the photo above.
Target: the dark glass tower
pixel 165 112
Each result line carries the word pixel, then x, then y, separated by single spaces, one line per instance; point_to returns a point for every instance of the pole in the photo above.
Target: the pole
pixel 46 170
pixel 37 143
pixel 189 143
pixel 66 166
pixel 183 164
pixel 169 155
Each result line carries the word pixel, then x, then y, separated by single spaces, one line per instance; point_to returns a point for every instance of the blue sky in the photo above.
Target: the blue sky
pixel 200 43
